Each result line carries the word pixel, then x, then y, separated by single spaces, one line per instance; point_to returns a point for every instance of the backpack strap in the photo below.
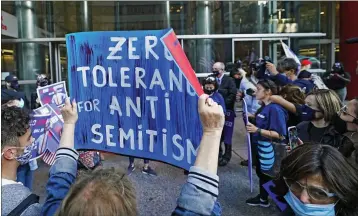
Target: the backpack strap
pixel 31 199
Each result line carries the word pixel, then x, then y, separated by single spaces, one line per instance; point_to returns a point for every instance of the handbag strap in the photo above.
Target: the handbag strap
pixel 31 199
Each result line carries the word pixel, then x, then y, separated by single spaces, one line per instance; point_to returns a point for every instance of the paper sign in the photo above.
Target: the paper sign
pixel 134 97
pixel 55 126
pixel 53 94
pixel 39 128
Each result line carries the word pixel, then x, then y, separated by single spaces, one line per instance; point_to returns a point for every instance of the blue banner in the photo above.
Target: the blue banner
pixel 132 98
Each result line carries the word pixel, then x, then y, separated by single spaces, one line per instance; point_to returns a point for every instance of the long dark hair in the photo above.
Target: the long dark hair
pixel 338 174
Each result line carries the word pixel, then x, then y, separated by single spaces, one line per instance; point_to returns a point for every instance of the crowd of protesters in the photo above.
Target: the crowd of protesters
pixel 317 177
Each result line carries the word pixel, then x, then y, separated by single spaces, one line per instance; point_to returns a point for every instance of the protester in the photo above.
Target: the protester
pixel 41 81
pixel 227 89
pixel 321 124
pixel 146 168
pixel 16 146
pixel 318 180
pixel 337 80
pixel 12 85
pixel 247 91
pixel 270 127
pixel 289 67
pixel 24 172
pixel 210 87
pixel 349 115
pixel 324 104
pixel 109 192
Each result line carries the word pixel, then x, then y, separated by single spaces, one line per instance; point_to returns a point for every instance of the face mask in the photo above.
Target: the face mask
pixel 339 125
pixel 302 209
pixel 308 114
pixel 21 104
pixel 216 73
pixel 15 85
pixel 209 92
pixel 26 156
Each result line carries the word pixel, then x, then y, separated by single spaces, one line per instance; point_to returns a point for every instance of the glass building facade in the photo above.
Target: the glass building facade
pixel 208 30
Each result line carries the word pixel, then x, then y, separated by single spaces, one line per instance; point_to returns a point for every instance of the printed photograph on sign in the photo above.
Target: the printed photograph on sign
pixel 53 94
pixel 40 128
pixel 136 95
pixel 55 125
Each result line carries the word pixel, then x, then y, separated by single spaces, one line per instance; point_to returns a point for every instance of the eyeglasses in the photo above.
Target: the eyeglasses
pixel 315 193
pixel 345 112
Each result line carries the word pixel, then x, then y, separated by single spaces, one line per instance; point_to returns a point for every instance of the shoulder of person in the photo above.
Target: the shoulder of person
pixel 34 209
pixel 303 125
pixel 13 195
pixel 278 107
pixel 352 137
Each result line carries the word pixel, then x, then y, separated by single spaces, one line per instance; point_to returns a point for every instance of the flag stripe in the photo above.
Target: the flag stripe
pixel 173 45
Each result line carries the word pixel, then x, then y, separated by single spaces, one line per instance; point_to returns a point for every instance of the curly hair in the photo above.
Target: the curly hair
pixel 102 192
pixel 15 119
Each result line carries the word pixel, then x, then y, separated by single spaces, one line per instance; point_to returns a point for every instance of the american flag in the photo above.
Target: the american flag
pixel 49 157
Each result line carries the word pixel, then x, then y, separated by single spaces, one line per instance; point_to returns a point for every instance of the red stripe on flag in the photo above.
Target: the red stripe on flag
pixel 182 61
pixel 49 157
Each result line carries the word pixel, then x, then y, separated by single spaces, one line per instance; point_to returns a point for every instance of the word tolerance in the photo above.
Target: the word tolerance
pixel 132 96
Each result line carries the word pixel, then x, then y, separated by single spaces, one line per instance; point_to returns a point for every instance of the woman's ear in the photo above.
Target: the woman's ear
pixel 9 153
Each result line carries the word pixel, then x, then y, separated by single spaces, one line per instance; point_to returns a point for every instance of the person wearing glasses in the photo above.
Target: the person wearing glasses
pixel 348 115
pixel 317 180
pixel 321 121
pixel 270 128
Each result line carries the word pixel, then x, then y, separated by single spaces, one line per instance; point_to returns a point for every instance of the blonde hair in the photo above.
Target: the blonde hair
pixel 328 102
pixel 103 192
pixel 242 72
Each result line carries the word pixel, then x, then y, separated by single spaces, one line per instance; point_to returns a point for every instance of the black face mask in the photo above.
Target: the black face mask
pixel 216 73
pixel 209 92
pixel 15 85
pixel 238 82
pixel 339 125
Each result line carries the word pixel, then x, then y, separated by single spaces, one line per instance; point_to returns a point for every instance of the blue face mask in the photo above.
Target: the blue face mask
pixel 302 209
pixel 26 156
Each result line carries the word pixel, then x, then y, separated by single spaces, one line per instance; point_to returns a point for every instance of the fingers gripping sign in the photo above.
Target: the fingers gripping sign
pixel 69 112
pixel 211 114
